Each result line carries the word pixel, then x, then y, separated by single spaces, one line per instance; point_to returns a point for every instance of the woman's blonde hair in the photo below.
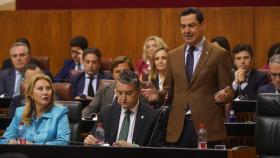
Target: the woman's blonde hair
pixel 30 104
pixel 159 41
pixel 153 72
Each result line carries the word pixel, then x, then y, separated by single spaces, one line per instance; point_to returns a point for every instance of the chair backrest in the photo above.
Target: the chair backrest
pixel 106 63
pixel 105 82
pixel 43 61
pixel 267 129
pixel 74 116
pixel 63 91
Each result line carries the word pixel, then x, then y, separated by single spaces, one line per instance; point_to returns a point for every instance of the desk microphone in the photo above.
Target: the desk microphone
pixel 163 109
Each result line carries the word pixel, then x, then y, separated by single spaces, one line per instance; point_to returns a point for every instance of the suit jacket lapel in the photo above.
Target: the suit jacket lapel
pixel 81 85
pixel 181 63
pixel 114 122
pixel 201 62
pixel 12 81
pixel 139 122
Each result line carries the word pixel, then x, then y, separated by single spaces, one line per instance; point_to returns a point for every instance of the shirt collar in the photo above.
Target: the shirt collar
pixel 133 110
pixel 88 76
pixel 199 45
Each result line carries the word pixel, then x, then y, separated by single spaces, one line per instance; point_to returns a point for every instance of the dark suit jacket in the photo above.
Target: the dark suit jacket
pixel 102 99
pixel 7 82
pixel 212 73
pixel 146 118
pixel 268 88
pixel 255 80
pixel 156 82
pixel 78 83
pixel 64 73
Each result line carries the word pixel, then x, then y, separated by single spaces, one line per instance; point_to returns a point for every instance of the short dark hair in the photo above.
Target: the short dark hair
pixel 274 49
pixel 130 77
pixel 193 10
pixel 79 41
pixel 222 42
pixel 94 51
pixel 24 40
pixel 30 67
pixel 122 59
pixel 243 47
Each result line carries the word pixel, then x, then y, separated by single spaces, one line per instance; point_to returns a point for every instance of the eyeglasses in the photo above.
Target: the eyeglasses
pixel 274 75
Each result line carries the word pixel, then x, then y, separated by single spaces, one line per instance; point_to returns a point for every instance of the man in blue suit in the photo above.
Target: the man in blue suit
pixel 85 84
pixel 247 80
pixel 10 79
pixel 274 70
pixel 77 45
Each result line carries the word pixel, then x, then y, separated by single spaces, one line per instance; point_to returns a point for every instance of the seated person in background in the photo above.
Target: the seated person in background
pixel 11 78
pixel 44 122
pixel 247 80
pixel 129 122
pixel 85 84
pixel 274 70
pixel 105 95
pixel 28 72
pixel 152 43
pixel 8 62
pixel 222 42
pixel 274 49
pixel 158 68
pixel 77 45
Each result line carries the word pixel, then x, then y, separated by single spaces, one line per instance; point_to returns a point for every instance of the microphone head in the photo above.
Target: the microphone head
pixel 164 108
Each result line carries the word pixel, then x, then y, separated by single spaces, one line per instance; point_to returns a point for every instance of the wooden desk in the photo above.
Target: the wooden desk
pixel 238 134
pixel 48 151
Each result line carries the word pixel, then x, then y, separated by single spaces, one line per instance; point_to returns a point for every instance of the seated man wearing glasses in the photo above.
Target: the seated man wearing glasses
pixel 77 45
pixel 274 70
pixel 129 122
pixel 247 80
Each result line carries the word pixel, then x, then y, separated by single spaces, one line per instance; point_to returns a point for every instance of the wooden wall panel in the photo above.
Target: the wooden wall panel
pixel 267 32
pixel 237 24
pixel 47 31
pixel 123 31
pixel 117 31
pixel 170 27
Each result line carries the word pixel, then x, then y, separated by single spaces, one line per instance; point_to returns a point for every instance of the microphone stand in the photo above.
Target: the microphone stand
pixel 163 109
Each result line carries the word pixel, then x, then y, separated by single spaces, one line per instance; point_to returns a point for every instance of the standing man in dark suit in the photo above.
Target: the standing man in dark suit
pixel 77 45
pixel 138 117
pixel 247 80
pixel 274 71
pixel 198 82
pixel 10 79
pixel 105 95
pixel 85 84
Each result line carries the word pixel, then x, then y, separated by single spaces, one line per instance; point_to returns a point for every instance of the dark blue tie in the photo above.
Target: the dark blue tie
pixel 90 87
pixel 189 63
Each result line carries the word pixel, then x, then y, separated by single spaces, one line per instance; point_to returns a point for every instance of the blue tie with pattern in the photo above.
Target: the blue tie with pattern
pixel 190 62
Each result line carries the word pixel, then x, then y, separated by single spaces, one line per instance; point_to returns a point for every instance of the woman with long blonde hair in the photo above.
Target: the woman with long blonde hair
pixel 152 43
pixel 43 121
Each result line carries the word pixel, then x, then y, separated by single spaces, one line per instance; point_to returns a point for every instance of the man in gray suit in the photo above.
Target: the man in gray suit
pixel 10 79
pixel 105 95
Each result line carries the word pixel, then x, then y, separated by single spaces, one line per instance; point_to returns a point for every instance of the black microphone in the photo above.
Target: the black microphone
pixel 92 116
pixel 163 110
